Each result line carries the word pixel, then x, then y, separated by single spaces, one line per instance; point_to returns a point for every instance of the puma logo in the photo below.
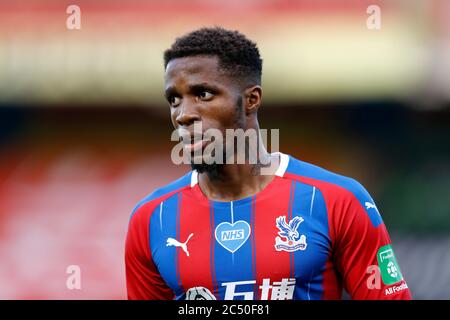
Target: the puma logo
pixel 370 205
pixel 176 243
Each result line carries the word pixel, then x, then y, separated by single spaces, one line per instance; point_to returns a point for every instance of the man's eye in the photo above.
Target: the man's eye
pixel 205 95
pixel 174 101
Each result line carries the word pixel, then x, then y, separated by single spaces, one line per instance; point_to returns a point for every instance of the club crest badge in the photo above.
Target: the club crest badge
pixel 292 241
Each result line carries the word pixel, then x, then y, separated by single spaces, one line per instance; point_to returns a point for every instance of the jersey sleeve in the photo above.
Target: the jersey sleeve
pixel 142 277
pixel 363 251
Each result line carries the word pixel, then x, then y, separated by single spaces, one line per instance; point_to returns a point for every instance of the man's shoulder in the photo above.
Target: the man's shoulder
pixel 162 193
pixel 335 187
pixel 318 175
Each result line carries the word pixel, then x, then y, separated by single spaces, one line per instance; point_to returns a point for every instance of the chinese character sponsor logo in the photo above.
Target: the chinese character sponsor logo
pixel 293 241
pixel 390 271
pixel 278 290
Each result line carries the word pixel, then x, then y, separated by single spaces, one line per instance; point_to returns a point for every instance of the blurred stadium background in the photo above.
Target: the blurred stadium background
pixel 85 131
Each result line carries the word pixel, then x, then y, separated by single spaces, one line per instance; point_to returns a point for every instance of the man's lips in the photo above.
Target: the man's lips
pixel 193 140
pixel 196 144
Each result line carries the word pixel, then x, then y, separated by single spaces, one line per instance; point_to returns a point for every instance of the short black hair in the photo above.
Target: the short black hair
pixel 238 56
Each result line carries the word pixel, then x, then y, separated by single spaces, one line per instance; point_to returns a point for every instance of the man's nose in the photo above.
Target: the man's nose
pixel 187 115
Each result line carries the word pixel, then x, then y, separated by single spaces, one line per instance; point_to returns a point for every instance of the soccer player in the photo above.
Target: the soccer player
pixel 228 231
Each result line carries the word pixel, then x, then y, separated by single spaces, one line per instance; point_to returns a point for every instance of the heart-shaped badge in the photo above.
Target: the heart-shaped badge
pixel 232 236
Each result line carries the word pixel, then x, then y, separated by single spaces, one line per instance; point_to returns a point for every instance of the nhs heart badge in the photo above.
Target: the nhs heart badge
pixel 232 236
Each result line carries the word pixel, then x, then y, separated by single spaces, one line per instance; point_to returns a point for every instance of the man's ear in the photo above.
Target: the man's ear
pixel 252 98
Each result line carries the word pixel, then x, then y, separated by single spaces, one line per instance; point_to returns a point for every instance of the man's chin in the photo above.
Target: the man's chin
pixel 210 169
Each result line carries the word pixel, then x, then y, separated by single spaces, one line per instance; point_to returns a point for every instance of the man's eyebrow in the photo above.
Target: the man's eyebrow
pixel 170 91
pixel 193 88
pixel 202 86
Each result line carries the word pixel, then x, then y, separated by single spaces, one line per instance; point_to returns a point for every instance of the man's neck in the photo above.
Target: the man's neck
pixel 238 181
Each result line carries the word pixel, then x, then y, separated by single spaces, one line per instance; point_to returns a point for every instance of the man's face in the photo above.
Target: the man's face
pixel 197 90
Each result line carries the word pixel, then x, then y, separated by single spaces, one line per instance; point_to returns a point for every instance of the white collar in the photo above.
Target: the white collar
pixel 284 162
